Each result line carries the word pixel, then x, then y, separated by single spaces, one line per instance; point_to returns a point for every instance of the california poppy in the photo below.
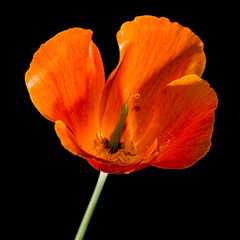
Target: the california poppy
pixel 154 108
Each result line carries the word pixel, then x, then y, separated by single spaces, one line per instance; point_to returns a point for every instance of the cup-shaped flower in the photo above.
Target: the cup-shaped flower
pixel 154 109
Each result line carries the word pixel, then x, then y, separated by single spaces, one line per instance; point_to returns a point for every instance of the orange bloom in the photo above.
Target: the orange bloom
pixel 154 108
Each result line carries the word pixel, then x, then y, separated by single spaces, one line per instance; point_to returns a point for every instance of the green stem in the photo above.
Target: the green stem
pixel 91 206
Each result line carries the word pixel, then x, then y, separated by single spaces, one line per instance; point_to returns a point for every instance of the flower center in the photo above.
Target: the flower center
pixel 114 142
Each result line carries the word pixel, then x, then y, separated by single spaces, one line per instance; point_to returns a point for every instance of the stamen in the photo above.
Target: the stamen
pixel 128 99
pixel 114 143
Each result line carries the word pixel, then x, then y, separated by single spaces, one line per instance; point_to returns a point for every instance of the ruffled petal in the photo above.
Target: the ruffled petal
pixel 65 81
pixel 183 123
pixel 153 52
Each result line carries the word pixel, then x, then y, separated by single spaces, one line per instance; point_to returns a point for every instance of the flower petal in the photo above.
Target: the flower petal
pixel 68 140
pixel 110 168
pixel 153 52
pixel 65 81
pixel 182 123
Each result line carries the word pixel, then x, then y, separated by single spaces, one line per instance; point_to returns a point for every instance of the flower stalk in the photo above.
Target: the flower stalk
pixel 91 206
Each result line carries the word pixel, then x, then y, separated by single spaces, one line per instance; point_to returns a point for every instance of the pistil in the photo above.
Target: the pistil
pixel 114 142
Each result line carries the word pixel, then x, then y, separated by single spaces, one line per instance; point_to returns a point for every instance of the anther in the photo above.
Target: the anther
pixel 129 98
pixel 137 95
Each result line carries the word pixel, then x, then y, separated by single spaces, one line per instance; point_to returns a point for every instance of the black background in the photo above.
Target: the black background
pixel 54 186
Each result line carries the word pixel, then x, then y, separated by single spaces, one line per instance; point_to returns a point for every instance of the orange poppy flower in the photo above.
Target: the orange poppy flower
pixel 154 108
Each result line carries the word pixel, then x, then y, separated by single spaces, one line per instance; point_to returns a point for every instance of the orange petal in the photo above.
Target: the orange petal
pixel 65 81
pixel 110 168
pixel 68 140
pixel 182 123
pixel 153 52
